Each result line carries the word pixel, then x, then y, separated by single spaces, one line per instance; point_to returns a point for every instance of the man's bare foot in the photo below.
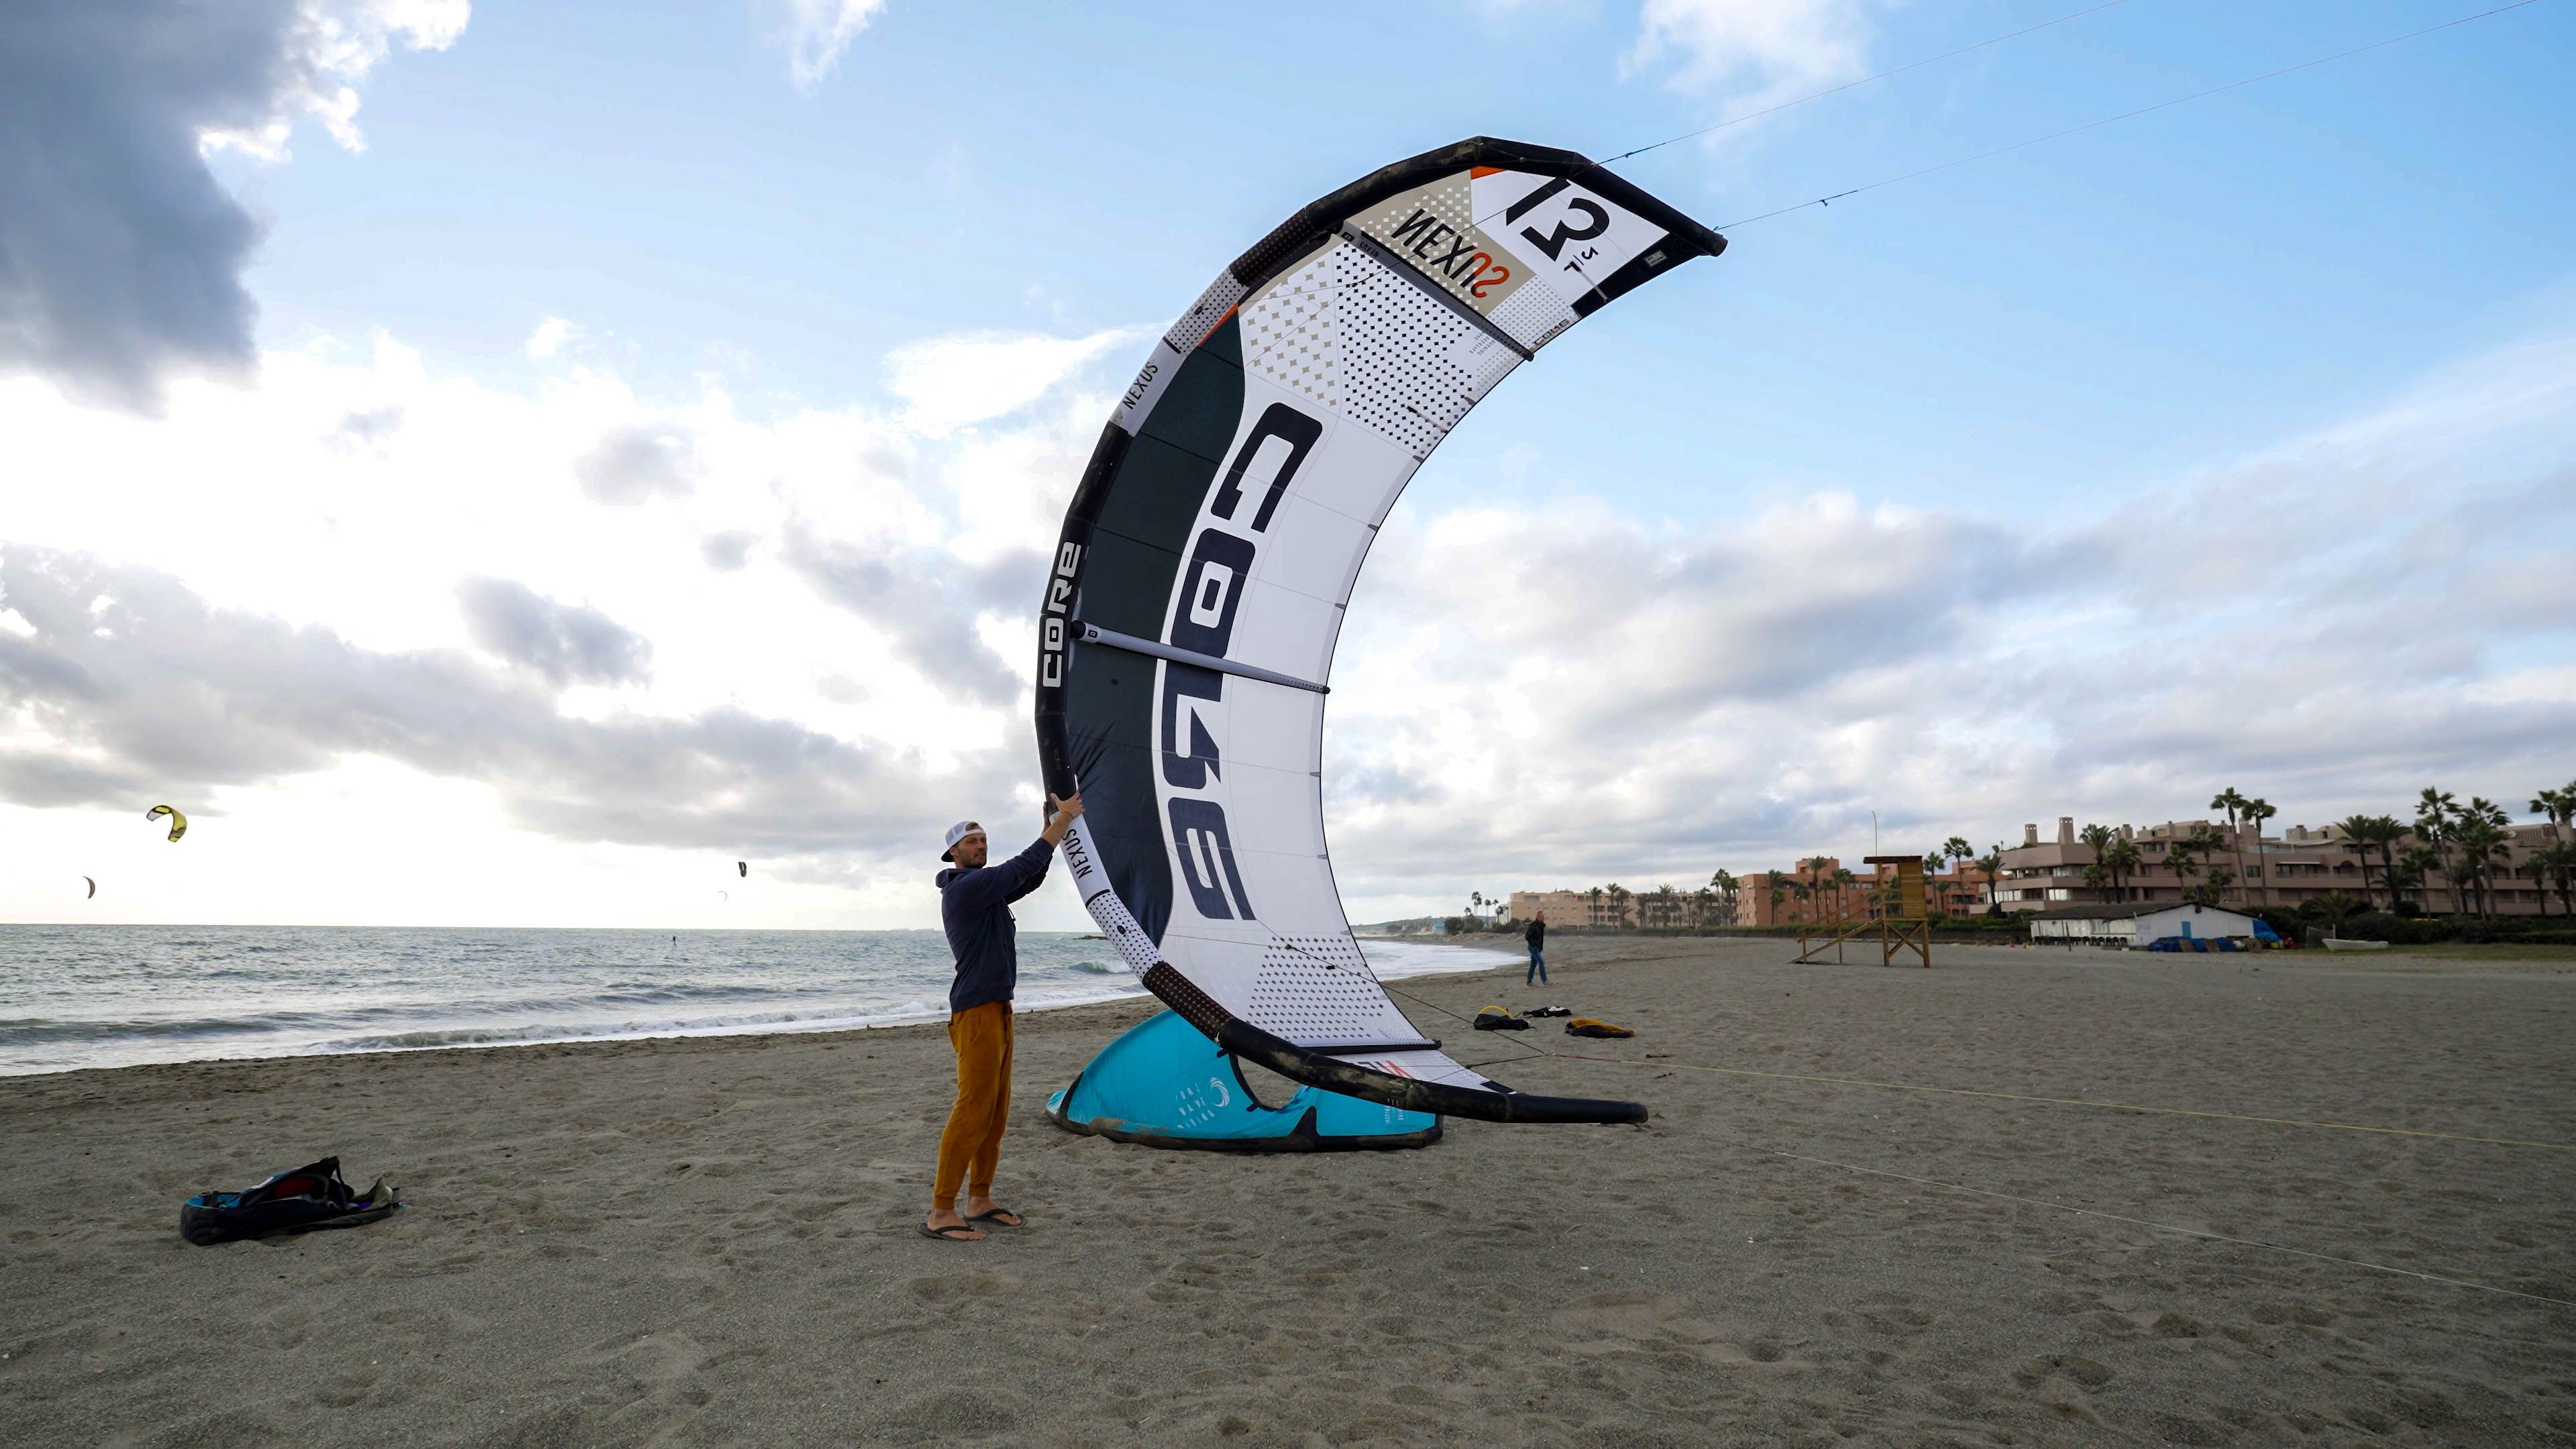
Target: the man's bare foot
pixel 945 1223
pixel 984 1209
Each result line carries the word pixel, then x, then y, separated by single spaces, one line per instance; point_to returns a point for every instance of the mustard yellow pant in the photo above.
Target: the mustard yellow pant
pixel 971 1146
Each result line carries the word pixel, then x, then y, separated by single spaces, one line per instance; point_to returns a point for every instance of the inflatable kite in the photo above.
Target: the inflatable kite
pixel 1197 589
pixel 178 822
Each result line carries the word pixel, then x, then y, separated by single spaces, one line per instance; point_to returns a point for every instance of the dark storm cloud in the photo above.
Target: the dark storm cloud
pixel 135 686
pixel 636 465
pixel 565 643
pixel 120 257
pixel 928 612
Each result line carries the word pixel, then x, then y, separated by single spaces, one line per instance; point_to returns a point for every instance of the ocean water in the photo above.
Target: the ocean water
pixel 109 996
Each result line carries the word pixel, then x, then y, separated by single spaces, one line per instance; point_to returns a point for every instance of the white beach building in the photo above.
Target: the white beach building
pixel 2136 925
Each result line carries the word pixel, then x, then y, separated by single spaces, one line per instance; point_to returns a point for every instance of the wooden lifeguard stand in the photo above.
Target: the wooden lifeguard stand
pixel 1901 924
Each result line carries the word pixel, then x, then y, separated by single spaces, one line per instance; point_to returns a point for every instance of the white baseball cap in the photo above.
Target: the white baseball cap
pixel 956 833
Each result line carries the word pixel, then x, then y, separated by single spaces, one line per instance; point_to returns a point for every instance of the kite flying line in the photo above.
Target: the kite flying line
pixel 1540 1051
pixel 1847 85
pixel 2127 115
pixel 2083 1102
pixel 1865 80
pixel 2202 1234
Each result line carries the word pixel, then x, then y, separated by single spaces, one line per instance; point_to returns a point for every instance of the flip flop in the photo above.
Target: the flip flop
pixel 996 1217
pixel 953 1233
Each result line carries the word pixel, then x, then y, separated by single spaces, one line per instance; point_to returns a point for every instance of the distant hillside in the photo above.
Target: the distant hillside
pixel 1413 926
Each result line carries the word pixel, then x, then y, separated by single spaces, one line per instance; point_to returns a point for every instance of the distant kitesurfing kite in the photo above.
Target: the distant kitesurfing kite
pixel 178 822
pixel 742 868
pixel 1198 586
pixel 93 889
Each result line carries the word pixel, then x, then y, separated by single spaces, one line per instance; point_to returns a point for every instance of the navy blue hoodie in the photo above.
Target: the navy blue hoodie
pixel 975 906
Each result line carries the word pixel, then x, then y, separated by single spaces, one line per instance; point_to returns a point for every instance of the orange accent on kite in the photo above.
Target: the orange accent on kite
pixel 1479 172
pixel 1212 326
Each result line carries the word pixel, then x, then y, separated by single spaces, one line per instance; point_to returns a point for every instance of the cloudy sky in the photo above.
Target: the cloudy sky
pixel 503 466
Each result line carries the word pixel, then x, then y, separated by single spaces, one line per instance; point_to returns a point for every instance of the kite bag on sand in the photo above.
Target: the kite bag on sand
pixel 309 1197
pixel 1494 1018
pixel 1586 1026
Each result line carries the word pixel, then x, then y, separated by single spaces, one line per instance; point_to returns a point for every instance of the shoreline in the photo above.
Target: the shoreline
pixel 823 1026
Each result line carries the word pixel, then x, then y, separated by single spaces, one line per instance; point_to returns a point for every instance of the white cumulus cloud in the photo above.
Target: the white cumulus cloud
pixel 819 33
pixel 951 382
pixel 550 336
pixel 1758 52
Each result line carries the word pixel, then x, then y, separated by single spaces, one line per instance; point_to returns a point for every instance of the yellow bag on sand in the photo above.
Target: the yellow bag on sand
pixel 1586 1026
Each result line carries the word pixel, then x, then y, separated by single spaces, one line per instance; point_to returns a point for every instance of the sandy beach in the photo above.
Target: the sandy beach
pixel 710 1241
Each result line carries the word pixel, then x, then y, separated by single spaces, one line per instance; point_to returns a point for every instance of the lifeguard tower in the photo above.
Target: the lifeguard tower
pixel 1900 924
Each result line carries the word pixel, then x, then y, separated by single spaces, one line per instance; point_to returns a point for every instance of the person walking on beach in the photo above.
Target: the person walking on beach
pixel 975 905
pixel 1536 935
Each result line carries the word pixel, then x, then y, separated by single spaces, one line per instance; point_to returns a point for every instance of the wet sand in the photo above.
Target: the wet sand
pixel 710 1241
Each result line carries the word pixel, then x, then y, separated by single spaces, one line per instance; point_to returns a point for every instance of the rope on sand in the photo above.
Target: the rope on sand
pixel 2159 1227
pixel 2079 1102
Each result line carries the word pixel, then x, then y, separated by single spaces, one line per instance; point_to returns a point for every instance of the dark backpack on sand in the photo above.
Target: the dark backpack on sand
pixel 309 1197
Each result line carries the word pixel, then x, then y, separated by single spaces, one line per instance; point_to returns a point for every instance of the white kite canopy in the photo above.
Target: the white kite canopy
pixel 1199 584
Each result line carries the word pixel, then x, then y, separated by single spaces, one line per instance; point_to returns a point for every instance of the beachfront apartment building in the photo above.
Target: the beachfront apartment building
pixel 2296 866
pixel 1600 906
pixel 1764 898
pixel 1774 897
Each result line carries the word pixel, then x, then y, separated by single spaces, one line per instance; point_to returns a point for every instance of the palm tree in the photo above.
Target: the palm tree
pixel 2434 812
pixel 1726 886
pixel 1593 898
pixel 2254 812
pixel 2097 838
pixel 2559 806
pixel 2214 890
pixel 1956 849
pixel 2122 860
pixel 2481 836
pixel 1618 905
pixel 1992 863
pixel 1843 880
pixel 1779 893
pixel 2178 859
pixel 2385 833
pixel 2463 876
pixel 2556 860
pixel 2360 833
pixel 2232 802
pixel 2415 865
